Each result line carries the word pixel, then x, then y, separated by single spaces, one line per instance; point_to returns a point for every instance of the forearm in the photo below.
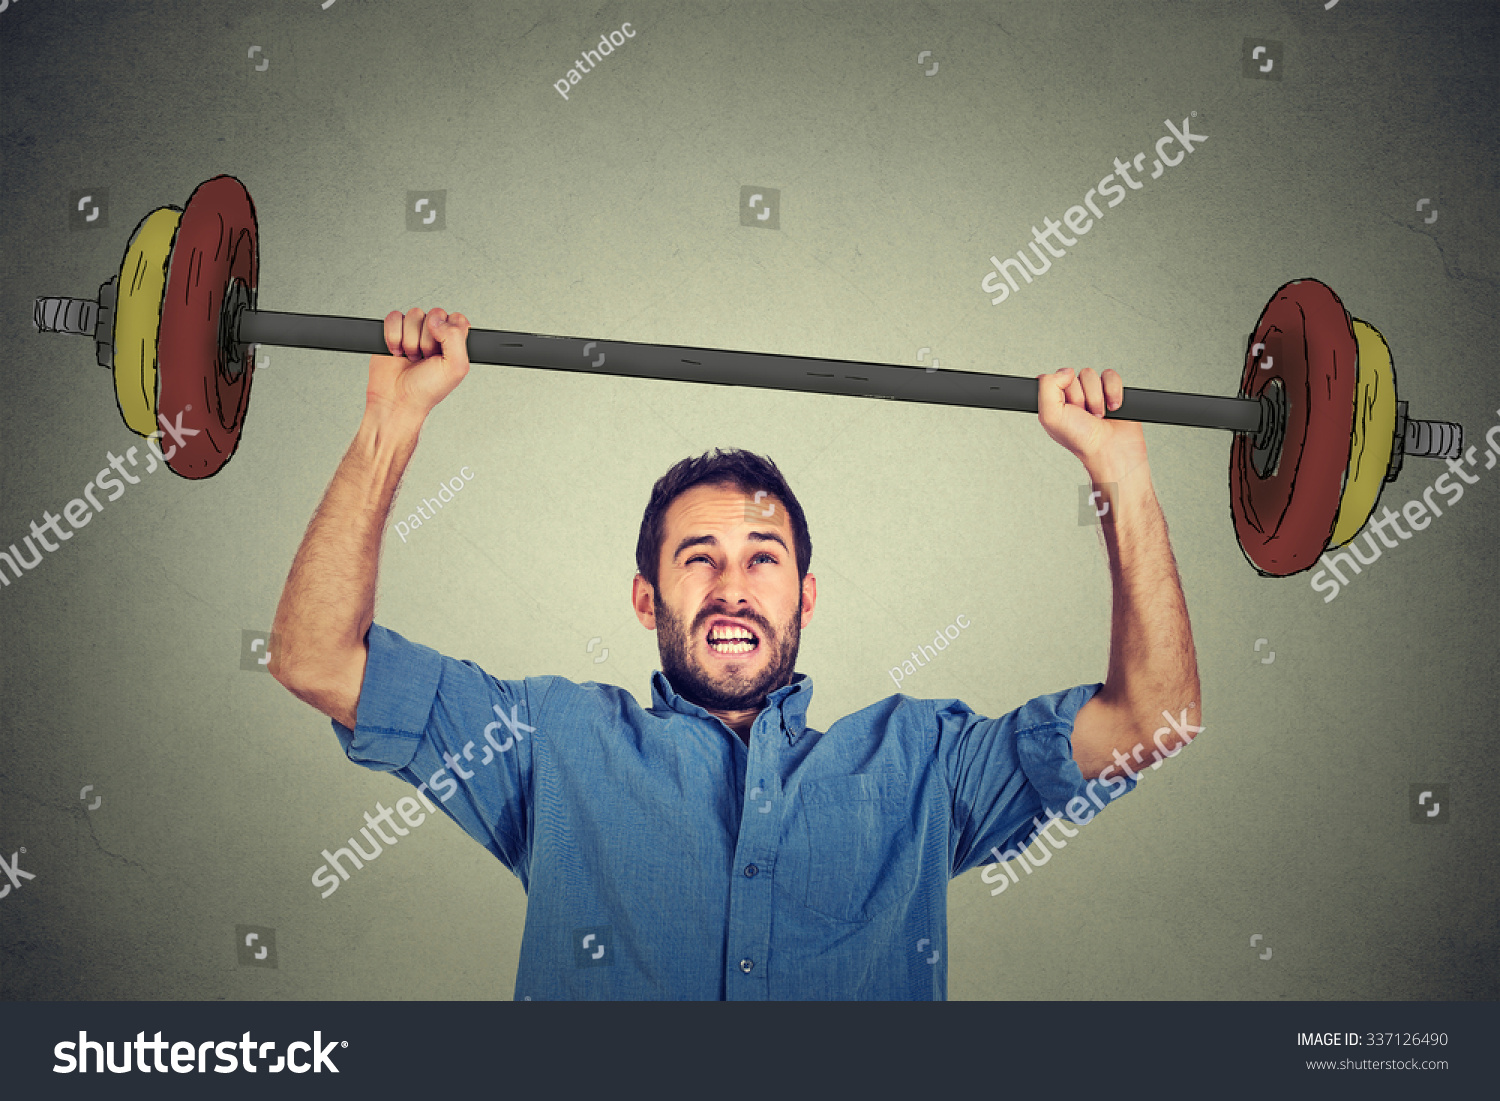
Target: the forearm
pixel 1152 663
pixel 328 602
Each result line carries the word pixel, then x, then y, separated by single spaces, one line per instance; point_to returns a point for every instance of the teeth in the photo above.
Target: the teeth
pixel 735 647
pixel 722 632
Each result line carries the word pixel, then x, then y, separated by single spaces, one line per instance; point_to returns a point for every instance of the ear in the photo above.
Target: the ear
pixel 643 600
pixel 809 598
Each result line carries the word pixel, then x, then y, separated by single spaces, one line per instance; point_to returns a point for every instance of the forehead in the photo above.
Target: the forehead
pixel 725 511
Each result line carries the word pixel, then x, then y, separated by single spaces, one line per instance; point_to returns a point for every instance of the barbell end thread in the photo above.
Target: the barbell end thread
pixel 78 316
pixel 1433 440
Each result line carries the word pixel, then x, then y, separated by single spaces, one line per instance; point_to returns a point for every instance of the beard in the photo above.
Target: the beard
pixel 725 688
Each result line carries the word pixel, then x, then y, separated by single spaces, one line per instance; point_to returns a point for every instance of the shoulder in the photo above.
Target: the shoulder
pixel 561 694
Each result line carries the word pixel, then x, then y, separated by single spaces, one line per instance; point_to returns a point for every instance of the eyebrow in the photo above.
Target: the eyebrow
pixel 712 541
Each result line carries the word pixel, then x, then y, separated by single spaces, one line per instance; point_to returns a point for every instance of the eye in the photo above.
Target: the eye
pixel 767 555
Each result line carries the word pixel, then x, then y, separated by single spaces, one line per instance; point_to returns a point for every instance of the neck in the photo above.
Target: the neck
pixel 738 721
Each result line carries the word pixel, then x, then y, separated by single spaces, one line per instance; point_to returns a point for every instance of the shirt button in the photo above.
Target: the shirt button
pixel 751 869
pixel 746 965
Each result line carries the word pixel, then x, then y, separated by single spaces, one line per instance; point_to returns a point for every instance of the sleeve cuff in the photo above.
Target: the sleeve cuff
pixel 395 700
pixel 1045 752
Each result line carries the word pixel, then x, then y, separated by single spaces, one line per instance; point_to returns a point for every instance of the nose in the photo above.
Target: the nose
pixel 732 584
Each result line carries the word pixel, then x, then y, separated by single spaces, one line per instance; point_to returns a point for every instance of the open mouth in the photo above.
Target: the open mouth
pixel 732 639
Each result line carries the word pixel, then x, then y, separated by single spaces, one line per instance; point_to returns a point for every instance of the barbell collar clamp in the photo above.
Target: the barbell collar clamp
pixel 232 352
pixel 1265 453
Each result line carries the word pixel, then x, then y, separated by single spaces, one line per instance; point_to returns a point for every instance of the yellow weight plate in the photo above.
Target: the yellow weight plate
pixel 138 298
pixel 1374 434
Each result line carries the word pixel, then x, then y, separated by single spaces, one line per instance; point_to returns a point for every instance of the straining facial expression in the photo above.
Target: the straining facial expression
pixel 728 608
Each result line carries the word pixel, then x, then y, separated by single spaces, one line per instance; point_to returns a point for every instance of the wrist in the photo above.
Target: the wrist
pixel 1123 471
pixel 387 422
pixel 384 444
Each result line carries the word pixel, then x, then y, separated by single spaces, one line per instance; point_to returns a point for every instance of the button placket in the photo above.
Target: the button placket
pixel 755 856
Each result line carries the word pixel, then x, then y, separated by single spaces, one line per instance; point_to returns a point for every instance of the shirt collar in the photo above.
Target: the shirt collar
pixel 790 700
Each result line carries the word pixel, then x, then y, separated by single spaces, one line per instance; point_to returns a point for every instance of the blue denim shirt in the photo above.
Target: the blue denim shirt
pixel 663 859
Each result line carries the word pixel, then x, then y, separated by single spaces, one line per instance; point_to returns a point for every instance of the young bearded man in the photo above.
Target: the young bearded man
pixel 713 846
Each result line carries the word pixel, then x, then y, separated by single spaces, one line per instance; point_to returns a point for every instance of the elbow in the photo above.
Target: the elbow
pixel 327 682
pixel 284 664
pixel 279 669
pixel 295 654
pixel 321 689
pixel 292 674
pixel 278 645
pixel 297 670
pixel 293 666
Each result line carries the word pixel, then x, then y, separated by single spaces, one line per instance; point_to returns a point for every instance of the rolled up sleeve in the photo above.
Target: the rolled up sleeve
pixel 395 701
pixel 463 738
pixel 1010 772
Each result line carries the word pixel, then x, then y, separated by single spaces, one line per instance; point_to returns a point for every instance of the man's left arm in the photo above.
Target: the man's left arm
pixel 1152 664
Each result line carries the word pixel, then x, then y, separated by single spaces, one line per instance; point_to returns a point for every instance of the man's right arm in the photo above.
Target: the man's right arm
pixel 328 602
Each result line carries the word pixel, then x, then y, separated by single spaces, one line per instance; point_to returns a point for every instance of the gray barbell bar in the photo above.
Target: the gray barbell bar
pixel 848 378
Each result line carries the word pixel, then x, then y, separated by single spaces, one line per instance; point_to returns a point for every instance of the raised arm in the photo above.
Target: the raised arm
pixel 328 602
pixel 1152 664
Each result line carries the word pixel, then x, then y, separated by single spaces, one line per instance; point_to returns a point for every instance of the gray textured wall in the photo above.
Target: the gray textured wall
pixel 614 215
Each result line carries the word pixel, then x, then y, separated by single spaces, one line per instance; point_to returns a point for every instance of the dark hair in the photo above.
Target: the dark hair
pixel 747 472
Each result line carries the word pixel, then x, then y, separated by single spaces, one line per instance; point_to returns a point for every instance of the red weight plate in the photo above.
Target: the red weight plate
pixel 1284 521
pixel 201 408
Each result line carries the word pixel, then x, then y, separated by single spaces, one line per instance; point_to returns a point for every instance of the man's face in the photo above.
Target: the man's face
pixel 726 568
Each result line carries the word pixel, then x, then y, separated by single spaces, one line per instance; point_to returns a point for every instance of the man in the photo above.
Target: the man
pixel 714 846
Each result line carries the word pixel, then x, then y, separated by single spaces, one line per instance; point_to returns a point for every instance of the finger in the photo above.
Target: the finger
pixel 1074 388
pixel 1093 391
pixel 411 333
pixel 1050 393
pixel 429 342
pixel 454 336
pixel 393 332
pixel 1114 388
